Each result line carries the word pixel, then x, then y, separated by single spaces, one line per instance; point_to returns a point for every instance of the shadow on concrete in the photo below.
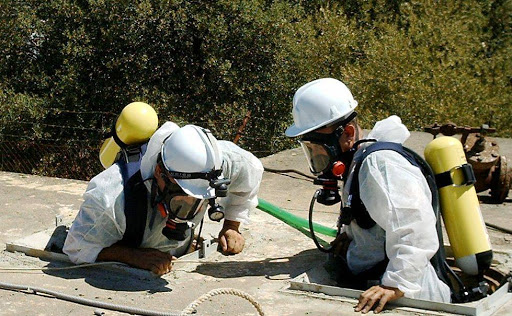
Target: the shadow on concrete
pixel 108 277
pixel 271 268
pixel 112 278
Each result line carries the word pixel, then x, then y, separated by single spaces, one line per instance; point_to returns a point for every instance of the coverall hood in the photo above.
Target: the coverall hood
pixel 148 162
pixel 390 129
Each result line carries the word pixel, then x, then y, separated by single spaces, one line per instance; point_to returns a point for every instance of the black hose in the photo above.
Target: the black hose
pixel 463 295
pixel 199 234
pixel 281 171
pixel 84 301
pixel 502 229
pixel 311 228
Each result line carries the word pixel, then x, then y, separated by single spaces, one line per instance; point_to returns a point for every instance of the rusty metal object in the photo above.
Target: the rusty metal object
pixel 493 276
pixel 450 129
pixel 483 155
pixel 492 171
pixel 242 127
pixel 502 177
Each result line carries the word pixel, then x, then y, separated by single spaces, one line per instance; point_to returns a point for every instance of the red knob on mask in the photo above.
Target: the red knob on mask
pixel 338 168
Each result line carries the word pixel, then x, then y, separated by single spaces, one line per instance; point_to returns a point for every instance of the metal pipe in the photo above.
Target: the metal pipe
pixel 84 301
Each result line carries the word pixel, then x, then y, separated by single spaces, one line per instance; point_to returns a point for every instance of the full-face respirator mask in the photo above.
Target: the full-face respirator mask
pixel 327 161
pixel 179 207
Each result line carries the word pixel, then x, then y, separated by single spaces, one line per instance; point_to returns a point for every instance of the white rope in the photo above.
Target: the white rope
pixel 191 308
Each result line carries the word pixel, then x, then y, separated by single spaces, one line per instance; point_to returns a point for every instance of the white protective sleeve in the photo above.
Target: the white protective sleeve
pixel 397 197
pixel 101 221
pixel 245 172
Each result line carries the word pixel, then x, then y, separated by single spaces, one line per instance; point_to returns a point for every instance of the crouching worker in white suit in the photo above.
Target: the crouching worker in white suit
pixel 390 234
pixel 148 220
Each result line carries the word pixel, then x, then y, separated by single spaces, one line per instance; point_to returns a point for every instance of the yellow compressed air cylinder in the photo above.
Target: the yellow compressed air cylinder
pixel 136 123
pixel 459 205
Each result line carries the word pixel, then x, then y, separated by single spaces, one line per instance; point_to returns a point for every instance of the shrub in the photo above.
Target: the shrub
pixel 68 67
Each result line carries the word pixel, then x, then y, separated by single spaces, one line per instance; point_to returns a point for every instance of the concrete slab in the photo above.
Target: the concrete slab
pixel 274 253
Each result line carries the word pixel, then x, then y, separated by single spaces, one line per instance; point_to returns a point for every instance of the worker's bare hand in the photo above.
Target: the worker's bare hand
pixel 150 259
pixel 340 244
pixel 153 260
pixel 377 294
pixel 230 239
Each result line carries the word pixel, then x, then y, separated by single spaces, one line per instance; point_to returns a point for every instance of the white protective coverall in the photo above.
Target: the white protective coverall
pixel 101 221
pixel 398 199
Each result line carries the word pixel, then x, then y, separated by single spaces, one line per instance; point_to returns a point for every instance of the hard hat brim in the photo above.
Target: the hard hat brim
pixel 198 188
pixel 294 131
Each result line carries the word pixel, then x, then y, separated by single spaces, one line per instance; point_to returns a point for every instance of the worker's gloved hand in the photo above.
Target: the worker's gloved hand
pixel 230 240
pixel 377 294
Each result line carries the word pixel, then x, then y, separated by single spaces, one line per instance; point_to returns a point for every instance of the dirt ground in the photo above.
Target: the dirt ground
pixel 274 254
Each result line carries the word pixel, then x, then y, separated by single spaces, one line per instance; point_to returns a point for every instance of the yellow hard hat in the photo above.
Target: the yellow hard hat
pixel 136 123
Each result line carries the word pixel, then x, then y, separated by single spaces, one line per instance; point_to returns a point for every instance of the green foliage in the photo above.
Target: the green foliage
pixel 437 68
pixel 68 67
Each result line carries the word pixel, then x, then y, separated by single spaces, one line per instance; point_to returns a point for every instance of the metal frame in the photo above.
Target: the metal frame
pixel 483 307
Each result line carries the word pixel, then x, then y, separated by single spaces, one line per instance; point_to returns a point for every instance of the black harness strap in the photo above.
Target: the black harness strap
pixel 135 195
pixel 445 178
pixel 357 211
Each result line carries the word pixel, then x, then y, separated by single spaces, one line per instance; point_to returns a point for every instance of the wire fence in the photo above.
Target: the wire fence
pixel 46 159
pixel 78 157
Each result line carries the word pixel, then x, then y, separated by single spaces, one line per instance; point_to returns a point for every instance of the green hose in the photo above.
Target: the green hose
pixel 293 220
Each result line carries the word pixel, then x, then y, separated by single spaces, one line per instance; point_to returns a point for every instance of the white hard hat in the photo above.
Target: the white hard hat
pixel 319 103
pixel 150 158
pixel 191 156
